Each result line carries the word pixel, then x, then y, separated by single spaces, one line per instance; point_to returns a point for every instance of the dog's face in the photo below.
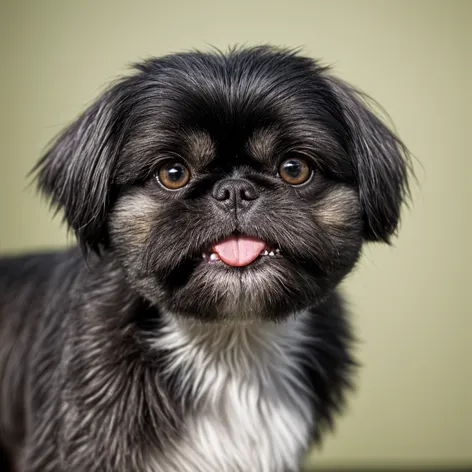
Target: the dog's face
pixel 229 187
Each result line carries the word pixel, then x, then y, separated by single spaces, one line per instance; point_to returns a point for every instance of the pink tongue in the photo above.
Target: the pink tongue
pixel 239 251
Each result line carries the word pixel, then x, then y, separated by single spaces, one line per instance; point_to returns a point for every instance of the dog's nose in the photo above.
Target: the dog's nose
pixel 235 194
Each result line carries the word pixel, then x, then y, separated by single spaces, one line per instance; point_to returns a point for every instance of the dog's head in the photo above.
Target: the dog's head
pixel 229 186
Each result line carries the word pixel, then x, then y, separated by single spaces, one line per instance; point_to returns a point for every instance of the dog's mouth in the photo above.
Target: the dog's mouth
pixel 238 250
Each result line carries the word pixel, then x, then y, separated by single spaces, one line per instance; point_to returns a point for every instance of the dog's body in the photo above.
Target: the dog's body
pixel 219 201
pixel 239 397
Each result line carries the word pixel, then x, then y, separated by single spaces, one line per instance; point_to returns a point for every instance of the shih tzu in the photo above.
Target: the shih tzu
pixel 218 200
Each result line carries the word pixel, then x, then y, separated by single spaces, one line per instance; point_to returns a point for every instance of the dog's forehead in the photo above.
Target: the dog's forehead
pixel 202 148
pixel 239 91
pixel 234 106
pixel 254 104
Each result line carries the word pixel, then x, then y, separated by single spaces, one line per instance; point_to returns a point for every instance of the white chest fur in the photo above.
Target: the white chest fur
pixel 252 412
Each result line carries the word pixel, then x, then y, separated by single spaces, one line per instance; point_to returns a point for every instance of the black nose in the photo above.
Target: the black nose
pixel 235 194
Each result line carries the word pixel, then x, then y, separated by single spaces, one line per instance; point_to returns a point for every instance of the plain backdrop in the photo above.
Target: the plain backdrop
pixel 411 303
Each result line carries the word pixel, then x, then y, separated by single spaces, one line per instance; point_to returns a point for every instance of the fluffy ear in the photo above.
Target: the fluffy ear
pixel 76 171
pixel 380 161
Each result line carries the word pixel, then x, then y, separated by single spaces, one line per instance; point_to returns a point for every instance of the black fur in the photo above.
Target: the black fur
pixel 81 388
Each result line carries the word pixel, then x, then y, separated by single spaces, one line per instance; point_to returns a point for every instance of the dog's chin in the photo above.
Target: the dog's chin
pixel 234 278
pixel 218 287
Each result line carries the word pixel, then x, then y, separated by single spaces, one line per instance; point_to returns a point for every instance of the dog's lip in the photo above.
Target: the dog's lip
pixel 238 250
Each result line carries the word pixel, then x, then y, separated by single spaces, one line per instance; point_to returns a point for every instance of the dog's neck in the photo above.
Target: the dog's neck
pixel 218 351
pixel 248 338
pixel 241 380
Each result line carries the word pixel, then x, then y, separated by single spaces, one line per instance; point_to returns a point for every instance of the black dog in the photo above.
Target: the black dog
pixel 218 200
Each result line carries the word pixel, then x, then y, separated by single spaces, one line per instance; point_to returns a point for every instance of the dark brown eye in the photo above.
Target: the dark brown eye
pixel 295 171
pixel 173 175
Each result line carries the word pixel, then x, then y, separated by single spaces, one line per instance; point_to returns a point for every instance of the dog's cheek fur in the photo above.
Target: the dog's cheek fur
pixel 339 216
pixel 130 224
pixel 267 292
pixel 131 221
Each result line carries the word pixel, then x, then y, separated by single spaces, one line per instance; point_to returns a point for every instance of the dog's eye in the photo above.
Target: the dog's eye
pixel 173 175
pixel 295 171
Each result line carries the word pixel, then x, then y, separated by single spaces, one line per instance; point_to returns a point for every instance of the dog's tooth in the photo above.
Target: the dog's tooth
pixel 265 252
pixel 277 251
pixel 271 253
pixel 213 257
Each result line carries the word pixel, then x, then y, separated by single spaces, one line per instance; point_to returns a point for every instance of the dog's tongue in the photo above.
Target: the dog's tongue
pixel 239 250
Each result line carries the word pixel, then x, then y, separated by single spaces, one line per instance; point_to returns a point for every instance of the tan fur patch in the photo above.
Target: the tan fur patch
pixel 262 144
pixel 339 207
pixel 201 147
pixel 135 212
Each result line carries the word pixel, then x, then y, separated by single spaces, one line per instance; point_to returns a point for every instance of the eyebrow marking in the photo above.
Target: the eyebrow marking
pixel 201 147
pixel 262 144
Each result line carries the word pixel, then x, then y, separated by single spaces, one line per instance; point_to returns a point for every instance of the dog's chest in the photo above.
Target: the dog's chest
pixel 251 409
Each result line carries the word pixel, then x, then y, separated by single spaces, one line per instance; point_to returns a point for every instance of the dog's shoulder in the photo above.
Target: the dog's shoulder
pixel 34 266
pixel 328 361
pixel 26 280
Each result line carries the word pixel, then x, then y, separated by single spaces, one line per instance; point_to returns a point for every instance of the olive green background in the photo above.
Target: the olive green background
pixel 411 303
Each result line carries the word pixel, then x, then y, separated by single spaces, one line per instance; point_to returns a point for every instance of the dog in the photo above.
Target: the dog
pixel 218 200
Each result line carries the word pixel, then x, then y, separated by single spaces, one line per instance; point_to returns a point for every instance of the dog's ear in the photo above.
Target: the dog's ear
pixel 380 161
pixel 76 171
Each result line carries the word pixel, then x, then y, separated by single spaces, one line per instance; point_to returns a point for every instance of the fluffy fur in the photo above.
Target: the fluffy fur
pixel 135 353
